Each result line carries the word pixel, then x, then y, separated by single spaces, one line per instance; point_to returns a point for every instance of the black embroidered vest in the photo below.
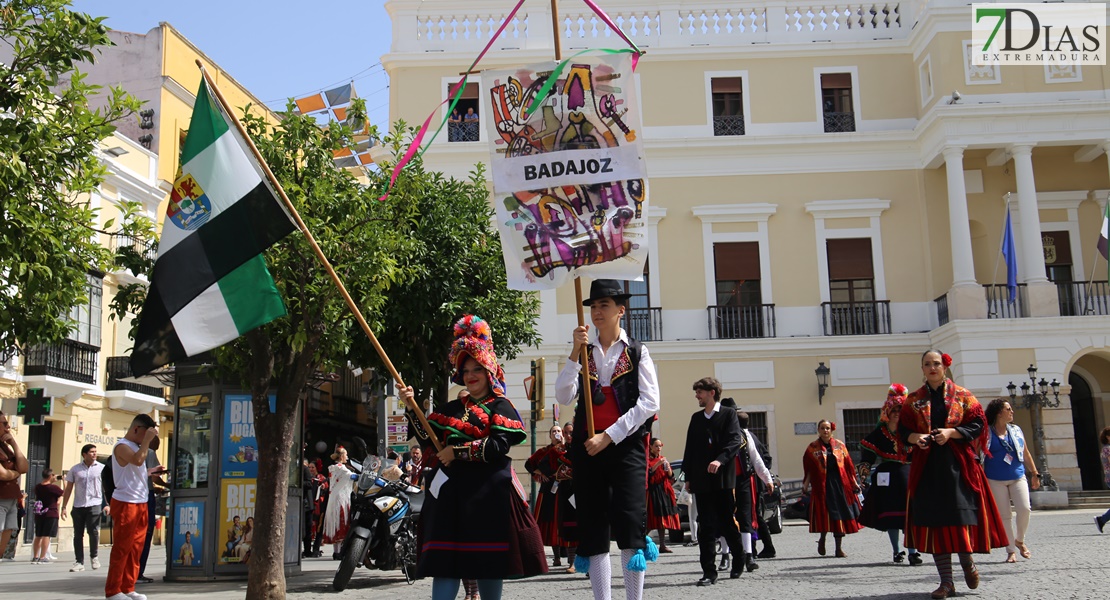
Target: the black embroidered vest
pixel 625 384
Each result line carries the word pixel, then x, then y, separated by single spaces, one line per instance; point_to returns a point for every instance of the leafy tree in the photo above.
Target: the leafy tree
pixel 48 159
pixel 360 238
pixel 456 267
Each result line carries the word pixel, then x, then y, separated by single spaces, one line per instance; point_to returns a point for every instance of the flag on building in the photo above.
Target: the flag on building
pixel 1009 252
pixel 210 284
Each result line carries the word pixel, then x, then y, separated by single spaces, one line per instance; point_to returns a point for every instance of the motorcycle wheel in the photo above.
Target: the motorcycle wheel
pixel 353 551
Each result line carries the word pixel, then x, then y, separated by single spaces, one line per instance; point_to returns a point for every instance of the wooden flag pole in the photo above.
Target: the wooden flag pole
pixel 584 356
pixel 320 253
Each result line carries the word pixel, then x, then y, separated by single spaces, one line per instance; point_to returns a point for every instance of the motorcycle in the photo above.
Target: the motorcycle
pixel 382 535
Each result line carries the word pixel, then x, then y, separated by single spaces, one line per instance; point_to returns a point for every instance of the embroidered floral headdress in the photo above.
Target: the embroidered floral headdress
pixel 895 396
pixel 473 339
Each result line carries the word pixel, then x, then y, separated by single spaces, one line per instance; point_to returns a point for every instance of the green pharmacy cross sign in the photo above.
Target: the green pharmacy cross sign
pixel 35 407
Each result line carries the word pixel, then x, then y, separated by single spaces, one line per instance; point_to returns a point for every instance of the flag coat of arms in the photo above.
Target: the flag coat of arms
pixel 569 179
pixel 210 284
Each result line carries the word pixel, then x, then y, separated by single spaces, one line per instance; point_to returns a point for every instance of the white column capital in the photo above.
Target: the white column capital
pixel 954 152
pixel 1020 149
pixel 1106 147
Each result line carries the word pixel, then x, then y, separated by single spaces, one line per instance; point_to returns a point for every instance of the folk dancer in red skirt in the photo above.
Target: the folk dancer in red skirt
pixel 662 505
pixel 830 477
pixel 950 507
pixel 749 466
pixel 543 465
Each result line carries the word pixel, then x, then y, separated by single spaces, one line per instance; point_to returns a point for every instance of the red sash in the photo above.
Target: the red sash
pixel 606 413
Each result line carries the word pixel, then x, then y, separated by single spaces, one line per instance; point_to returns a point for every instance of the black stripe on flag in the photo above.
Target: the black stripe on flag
pixel 156 341
pixel 241 232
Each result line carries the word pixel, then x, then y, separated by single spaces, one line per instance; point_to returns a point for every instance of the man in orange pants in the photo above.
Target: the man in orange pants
pixel 129 506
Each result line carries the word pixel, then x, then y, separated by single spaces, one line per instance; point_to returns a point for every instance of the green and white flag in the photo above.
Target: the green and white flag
pixel 210 284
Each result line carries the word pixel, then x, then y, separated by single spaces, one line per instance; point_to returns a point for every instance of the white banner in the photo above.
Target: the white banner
pixel 569 180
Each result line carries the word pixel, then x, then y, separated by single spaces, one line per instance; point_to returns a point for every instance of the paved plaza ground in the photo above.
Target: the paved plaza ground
pixel 1069 561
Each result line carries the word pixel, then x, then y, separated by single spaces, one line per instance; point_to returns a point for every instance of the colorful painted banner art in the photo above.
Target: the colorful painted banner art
pixel 569 176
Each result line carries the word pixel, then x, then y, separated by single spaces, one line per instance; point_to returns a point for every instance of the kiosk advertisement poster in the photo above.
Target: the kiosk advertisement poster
pixel 236 520
pixel 188 547
pixel 239 454
pixel 239 477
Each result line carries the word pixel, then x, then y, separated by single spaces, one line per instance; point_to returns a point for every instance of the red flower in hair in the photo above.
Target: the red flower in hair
pixel 946 359
pixel 832 425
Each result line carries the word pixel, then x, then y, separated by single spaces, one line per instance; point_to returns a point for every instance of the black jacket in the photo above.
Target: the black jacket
pixel 714 439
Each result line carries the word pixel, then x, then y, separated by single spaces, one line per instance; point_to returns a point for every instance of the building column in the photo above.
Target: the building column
pixel 966 299
pixel 1042 298
pixel 1106 151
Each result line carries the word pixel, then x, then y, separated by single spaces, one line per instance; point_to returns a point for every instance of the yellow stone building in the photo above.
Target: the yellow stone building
pixel 83 374
pixel 829 186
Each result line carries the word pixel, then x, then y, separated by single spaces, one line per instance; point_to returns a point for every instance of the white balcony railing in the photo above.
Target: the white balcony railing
pixel 452 25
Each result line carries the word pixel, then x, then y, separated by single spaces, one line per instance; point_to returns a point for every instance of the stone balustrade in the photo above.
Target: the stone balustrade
pixel 444 26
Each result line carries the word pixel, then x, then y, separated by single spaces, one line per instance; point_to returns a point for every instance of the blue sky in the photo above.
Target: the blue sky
pixel 277 49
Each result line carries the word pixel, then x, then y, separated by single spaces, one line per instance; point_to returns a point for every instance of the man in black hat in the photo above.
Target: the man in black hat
pixel 610 463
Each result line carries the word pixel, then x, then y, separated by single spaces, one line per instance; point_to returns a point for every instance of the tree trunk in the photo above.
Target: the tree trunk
pixel 266 578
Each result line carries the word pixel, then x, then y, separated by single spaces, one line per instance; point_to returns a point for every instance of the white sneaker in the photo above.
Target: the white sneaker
pixel 135 596
pixel 77 567
pixel 50 556
pixel 119 596
pixel 95 563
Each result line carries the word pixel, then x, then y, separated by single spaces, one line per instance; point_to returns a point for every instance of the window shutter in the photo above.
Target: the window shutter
pixel 850 259
pixel 836 81
pixel 726 85
pixel 736 261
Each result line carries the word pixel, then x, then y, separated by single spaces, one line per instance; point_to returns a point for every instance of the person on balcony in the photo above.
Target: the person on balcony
pixel 949 506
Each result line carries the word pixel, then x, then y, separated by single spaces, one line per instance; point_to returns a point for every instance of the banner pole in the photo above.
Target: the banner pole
pixel 319 253
pixel 583 357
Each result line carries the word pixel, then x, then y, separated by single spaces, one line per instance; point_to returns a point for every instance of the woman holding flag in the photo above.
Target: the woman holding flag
pixel 475 523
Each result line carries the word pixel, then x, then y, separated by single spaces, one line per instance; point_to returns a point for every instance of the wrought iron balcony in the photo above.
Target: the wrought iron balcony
pixel 728 125
pixel 148 250
pixel 463 131
pixel 644 324
pixel 837 122
pixel 998 301
pixel 741 322
pixel 856 318
pixel 119 367
pixel 75 361
pixel 1079 298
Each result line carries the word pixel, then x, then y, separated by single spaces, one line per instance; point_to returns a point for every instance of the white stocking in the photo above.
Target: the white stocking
pixel 633 580
pixel 746 538
pixel 724 545
pixel 601 575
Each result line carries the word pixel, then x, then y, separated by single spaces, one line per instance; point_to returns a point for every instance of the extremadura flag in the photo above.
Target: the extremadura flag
pixel 210 284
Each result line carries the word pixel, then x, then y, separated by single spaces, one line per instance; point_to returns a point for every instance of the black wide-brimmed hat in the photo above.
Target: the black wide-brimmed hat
pixel 605 288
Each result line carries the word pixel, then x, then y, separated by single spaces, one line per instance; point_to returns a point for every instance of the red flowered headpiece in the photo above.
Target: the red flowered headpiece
pixel 895 396
pixel 473 339
pixel 946 360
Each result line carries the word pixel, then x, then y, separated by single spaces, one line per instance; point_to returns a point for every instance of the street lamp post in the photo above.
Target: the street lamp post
pixel 1036 401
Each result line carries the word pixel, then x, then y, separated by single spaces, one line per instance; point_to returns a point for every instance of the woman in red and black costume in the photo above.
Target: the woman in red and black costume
pixel 662 504
pixel 475 522
pixel 950 507
pixel 830 476
pixel 543 466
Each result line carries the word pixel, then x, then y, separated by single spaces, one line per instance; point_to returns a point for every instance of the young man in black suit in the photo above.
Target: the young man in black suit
pixel 712 441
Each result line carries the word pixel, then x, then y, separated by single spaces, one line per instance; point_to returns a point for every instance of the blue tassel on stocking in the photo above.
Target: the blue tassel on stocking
pixel 652 551
pixel 637 562
pixel 582 564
